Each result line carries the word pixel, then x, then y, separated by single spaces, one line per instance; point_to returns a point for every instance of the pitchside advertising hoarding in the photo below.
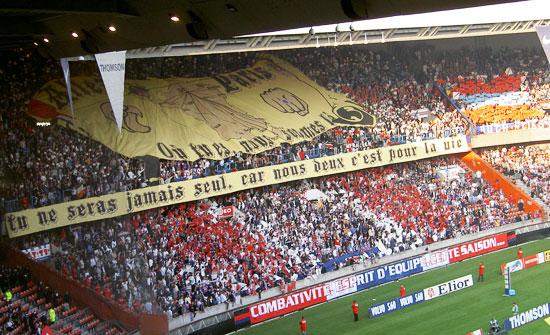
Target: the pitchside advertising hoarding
pixel 311 296
pixel 530 261
pixel 421 296
pixel 525 262
pixel 435 259
pixel 396 304
pixel 478 247
pixel 526 317
pixel 292 302
pixel 448 287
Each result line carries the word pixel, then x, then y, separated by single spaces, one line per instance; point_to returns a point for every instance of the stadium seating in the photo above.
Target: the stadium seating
pixel 527 165
pixel 504 98
pixel 397 97
pixel 183 258
pixel 27 311
pixel 193 259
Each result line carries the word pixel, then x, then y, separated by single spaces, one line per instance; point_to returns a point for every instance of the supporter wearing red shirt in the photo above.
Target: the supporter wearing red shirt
pixel 520 253
pixel 107 293
pixel 355 310
pixel 303 326
pixel 24 202
pixel 47 330
pixel 481 272
pixel 402 291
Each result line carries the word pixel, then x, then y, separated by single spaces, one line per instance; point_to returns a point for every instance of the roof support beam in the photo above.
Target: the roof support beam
pixel 279 42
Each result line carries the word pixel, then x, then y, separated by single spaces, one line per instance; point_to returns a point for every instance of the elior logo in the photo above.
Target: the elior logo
pixel 430 292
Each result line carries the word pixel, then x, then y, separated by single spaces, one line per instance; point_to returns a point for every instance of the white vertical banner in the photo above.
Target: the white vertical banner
pixel 544 36
pixel 112 67
pixel 67 76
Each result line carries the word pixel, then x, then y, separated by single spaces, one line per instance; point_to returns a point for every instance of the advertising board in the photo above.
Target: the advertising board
pixel 478 247
pixel 295 301
pixel 429 293
pixel 334 289
pixel 526 317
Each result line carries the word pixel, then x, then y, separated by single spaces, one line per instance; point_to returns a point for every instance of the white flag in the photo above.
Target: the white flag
pixel 67 76
pixel 111 66
pixel 544 36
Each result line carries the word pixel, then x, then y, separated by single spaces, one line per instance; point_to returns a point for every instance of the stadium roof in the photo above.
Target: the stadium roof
pixel 306 40
pixel 64 28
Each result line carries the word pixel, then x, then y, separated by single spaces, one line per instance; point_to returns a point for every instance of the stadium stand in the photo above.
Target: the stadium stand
pixel 526 165
pixel 30 303
pixel 401 96
pixel 190 259
pixel 515 98
pixel 182 259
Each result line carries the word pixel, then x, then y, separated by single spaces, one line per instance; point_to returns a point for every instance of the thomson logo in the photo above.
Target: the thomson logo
pixel 528 316
pixel 111 67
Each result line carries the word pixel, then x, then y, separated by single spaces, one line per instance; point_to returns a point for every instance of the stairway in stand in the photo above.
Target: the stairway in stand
pixel 519 183
pixel 500 182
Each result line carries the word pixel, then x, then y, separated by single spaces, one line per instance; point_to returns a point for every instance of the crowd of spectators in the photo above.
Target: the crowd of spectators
pixel 528 164
pixel 67 167
pixel 46 165
pixel 517 92
pixel 334 141
pixel 184 258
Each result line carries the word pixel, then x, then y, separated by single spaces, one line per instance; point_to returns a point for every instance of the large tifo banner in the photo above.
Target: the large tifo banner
pixel 250 110
pixel 117 204
pixel 428 293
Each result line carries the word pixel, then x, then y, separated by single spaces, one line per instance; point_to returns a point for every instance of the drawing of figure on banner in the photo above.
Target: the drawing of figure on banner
pixel 208 104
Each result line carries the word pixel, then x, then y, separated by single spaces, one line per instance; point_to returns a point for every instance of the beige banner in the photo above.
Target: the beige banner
pixel 250 111
pixel 117 204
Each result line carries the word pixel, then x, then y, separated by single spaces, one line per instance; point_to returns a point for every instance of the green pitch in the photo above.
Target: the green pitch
pixel 456 313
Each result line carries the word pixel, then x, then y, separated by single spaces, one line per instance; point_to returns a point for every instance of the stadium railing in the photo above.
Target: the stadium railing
pixel 500 182
pixel 531 135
